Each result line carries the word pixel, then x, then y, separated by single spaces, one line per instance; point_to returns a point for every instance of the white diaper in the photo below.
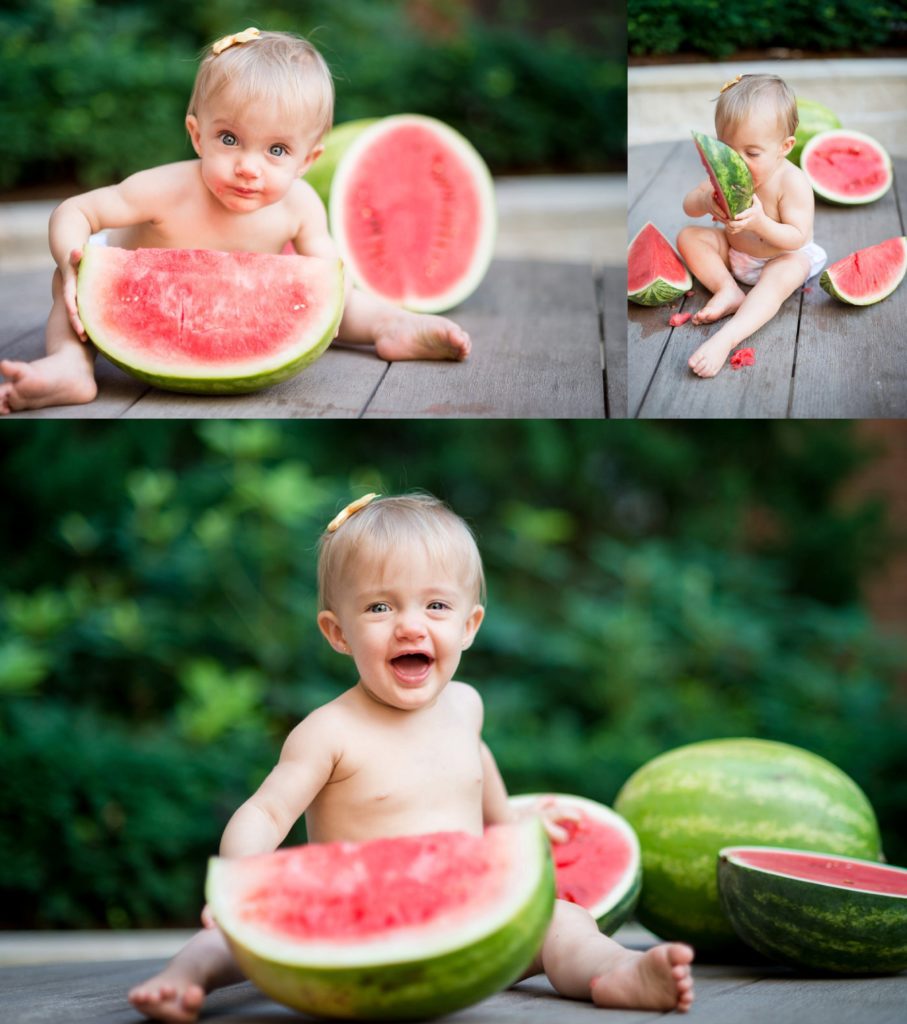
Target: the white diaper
pixel 747 268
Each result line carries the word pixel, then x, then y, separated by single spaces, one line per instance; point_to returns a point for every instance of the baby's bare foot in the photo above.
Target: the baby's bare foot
pixel 421 336
pixel 659 979
pixel 53 380
pixel 722 303
pixel 711 355
pixel 168 996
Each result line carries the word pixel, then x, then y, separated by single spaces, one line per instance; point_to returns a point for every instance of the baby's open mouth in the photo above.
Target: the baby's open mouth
pixel 412 666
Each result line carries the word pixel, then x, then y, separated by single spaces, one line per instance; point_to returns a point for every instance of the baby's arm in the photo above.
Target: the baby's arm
pixel 133 201
pixel 796 209
pixel 701 201
pixel 313 237
pixel 306 762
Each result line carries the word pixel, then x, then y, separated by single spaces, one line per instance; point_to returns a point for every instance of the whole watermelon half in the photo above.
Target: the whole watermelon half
pixel 599 866
pixel 391 929
pixel 816 910
pixel 689 803
pixel 847 168
pixel 727 170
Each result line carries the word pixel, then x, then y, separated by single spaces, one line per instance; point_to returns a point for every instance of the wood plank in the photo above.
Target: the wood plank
pixel 536 352
pixel 850 359
pixel 611 293
pixel 25 302
pixel 646 165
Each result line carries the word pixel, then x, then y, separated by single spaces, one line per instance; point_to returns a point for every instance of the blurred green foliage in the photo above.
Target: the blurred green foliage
pixel 649 585
pixel 718 29
pixel 92 90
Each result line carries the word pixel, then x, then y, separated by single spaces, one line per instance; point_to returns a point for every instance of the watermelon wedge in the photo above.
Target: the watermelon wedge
pixel 599 866
pixel 816 910
pixel 847 167
pixel 412 210
pixel 655 273
pixel 391 929
pixel 727 170
pixel 209 322
pixel 867 275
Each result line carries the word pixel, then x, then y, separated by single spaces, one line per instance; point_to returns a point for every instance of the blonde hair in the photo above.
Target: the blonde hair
pixel 275 66
pixel 739 97
pixel 388 525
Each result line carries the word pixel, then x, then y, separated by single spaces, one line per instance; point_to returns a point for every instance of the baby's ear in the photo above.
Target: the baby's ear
pixel 472 626
pixel 194 132
pixel 788 145
pixel 329 625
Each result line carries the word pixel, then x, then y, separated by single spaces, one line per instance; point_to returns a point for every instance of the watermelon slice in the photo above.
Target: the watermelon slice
pixel 412 211
pixel 813 118
pixel 728 173
pixel 209 322
pixel 391 929
pixel 599 867
pixel 847 167
pixel 867 275
pixel 816 910
pixel 655 273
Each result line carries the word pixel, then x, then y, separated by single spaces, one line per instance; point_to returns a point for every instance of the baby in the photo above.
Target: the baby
pixel 261 103
pixel 769 245
pixel 401 752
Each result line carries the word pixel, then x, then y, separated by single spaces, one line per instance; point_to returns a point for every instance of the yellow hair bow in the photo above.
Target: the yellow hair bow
pixel 234 40
pixel 733 81
pixel 350 510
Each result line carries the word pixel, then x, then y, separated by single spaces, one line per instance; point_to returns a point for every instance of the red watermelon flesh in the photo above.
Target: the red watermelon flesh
pixel 867 275
pixel 208 321
pixel 413 213
pixel 846 167
pixel 655 273
pixel 830 870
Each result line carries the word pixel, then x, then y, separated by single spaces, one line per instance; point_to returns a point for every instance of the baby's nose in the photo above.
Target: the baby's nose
pixel 246 167
pixel 410 624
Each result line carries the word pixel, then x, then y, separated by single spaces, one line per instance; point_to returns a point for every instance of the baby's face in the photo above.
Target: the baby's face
pixel 250 155
pixel 760 140
pixel 405 621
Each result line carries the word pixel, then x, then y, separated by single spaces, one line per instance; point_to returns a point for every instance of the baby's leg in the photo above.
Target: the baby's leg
pixel 65 376
pixel 780 277
pixel 397 333
pixel 177 993
pixel 705 251
pixel 582 963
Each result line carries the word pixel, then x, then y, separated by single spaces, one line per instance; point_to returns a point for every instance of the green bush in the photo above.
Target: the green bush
pixel 717 29
pixel 157 636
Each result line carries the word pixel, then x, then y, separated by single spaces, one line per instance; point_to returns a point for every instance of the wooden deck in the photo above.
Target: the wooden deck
pixel 549 341
pixel 816 358
pixel 94 993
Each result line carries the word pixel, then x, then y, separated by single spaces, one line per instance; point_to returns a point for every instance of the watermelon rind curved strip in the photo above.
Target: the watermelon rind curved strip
pixel 727 170
pixel 852 189
pixel 840 929
pixel 856 281
pixel 432 974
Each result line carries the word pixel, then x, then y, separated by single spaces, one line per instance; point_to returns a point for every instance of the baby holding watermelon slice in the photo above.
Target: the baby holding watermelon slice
pixel 401 752
pixel 261 104
pixel 770 245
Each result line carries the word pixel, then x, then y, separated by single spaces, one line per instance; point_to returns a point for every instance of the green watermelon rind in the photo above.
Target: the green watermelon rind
pixel 835 198
pixel 427 985
pixel 615 908
pixel 689 803
pixel 812 924
pixel 482 180
pixel 659 291
pixel 207 382
pixel 836 290
pixel 728 172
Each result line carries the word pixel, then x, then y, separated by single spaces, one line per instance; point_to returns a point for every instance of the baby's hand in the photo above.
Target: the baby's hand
pixel 552 814
pixel 70 279
pixel 208 918
pixel 710 202
pixel 749 220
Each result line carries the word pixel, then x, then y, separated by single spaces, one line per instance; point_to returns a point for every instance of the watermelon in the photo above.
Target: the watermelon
pixel 817 911
pixel 867 275
pixel 727 170
pixel 687 804
pixel 336 143
pixel 209 322
pixel 814 118
pixel 599 865
pixel 412 210
pixel 390 929
pixel 847 167
pixel 655 273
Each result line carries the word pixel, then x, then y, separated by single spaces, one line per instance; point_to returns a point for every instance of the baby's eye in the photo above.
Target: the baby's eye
pixel 277 150
pixel 438 606
pixel 379 606
pixel 228 138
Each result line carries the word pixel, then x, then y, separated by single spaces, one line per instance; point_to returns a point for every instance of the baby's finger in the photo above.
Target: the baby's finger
pixel 556 833
pixel 207 917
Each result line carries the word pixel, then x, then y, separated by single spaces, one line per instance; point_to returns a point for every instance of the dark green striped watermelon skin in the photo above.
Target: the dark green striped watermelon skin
pixel 813 924
pixel 689 803
pixel 730 177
